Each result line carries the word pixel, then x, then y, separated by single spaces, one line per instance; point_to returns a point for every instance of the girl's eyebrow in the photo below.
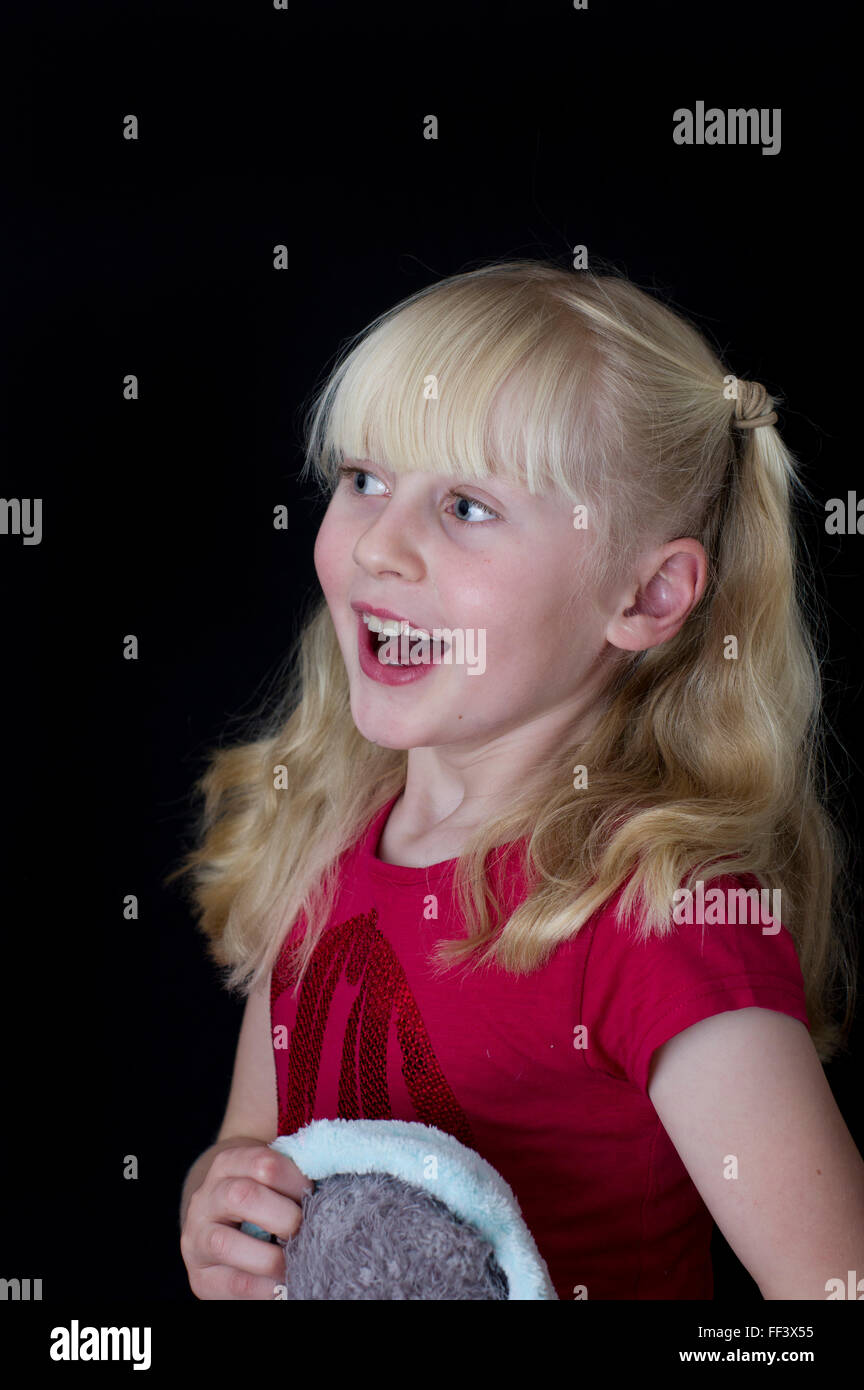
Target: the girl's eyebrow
pixel 457 480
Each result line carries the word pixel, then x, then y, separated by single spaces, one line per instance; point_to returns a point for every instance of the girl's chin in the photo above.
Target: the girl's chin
pixel 392 733
pixel 387 741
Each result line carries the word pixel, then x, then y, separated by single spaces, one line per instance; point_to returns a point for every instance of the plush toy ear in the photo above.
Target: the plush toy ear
pixel 442 1219
pixel 373 1236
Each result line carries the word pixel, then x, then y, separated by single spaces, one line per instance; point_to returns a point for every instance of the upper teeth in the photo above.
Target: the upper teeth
pixel 390 627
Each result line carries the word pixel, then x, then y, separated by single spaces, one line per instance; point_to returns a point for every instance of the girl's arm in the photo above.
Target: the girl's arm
pixel 240 1179
pixel 252 1104
pixel 747 1086
pixel 251 1113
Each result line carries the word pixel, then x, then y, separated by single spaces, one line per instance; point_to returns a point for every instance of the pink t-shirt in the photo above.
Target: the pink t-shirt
pixel 497 1060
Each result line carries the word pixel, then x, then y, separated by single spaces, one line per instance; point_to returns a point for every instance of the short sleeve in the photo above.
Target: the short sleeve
pixel 637 995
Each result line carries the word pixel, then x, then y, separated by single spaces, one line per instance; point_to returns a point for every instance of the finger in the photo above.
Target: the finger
pixel 226 1245
pixel 266 1166
pixel 243 1199
pixel 226 1283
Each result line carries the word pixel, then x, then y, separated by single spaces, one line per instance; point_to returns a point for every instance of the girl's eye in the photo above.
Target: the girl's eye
pixel 472 502
pixel 347 471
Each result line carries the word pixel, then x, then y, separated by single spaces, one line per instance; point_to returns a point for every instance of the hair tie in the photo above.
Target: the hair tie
pixel 750 400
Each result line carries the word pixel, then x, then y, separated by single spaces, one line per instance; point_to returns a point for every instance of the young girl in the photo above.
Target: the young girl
pixel 503 878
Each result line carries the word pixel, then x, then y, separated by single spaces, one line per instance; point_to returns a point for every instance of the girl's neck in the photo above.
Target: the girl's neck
pixel 401 844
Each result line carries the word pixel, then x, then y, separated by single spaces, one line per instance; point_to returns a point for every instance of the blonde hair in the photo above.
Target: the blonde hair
pixel 622 405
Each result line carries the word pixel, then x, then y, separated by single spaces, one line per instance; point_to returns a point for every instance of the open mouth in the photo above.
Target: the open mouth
pixel 405 640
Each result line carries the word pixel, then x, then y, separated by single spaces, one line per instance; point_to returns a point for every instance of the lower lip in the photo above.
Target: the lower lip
pixel 382 672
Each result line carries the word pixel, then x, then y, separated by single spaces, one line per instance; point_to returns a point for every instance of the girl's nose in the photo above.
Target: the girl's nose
pixel 392 544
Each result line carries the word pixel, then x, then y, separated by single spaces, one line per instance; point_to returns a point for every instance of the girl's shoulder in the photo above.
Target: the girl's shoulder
pixel 723 950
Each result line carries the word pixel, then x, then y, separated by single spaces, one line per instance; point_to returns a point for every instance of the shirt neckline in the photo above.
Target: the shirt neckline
pixel 410 873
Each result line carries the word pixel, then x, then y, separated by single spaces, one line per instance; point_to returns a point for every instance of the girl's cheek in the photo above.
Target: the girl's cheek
pixel 324 556
pixel 318 550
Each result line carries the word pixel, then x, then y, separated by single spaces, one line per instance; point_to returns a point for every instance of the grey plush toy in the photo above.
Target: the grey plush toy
pixel 403 1211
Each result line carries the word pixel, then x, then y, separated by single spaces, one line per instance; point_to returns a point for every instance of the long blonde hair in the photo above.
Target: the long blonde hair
pixel 695 759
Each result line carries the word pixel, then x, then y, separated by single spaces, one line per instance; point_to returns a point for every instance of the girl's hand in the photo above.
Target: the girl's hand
pixel 247 1183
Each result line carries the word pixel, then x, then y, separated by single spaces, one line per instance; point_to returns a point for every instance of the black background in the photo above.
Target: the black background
pixel 154 257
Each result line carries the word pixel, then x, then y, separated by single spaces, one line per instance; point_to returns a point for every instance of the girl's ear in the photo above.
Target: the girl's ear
pixel 672 582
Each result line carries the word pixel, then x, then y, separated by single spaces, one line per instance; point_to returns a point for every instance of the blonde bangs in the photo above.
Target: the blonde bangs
pixel 462 382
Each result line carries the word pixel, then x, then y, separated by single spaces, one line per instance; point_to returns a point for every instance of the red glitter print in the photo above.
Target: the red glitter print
pixel 360 952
